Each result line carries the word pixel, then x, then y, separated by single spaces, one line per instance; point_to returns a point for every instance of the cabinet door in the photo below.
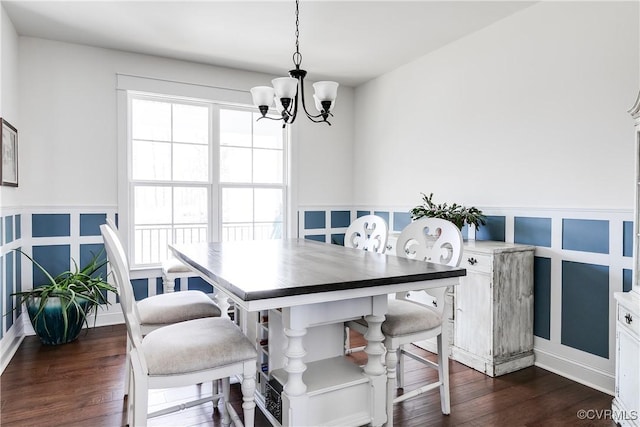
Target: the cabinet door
pixel 473 314
pixel 628 387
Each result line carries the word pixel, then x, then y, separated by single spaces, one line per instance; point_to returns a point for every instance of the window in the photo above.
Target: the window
pixel 201 171
pixel 251 176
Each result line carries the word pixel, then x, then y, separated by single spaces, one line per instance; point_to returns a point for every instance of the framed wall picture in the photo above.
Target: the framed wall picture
pixel 9 154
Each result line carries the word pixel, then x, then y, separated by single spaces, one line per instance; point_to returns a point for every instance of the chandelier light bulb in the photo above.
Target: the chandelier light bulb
pixel 326 91
pixel 262 96
pixel 285 87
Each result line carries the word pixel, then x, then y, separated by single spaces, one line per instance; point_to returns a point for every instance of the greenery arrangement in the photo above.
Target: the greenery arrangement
pixel 59 308
pixel 457 214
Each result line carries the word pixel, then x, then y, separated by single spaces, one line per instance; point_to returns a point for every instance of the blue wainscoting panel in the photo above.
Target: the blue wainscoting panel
pixel 159 286
pixel 316 237
pixel 198 284
pixel 383 214
pixel 18 227
pixel 542 297
pixel 627 279
pixel 400 220
pixel 494 229
pixel 8 229
pixel 1 228
pixel 337 239
pixel 627 238
pixel 585 307
pixel 18 279
pixel 532 231
pixel 50 225
pixel 90 224
pixel 340 219
pixel 362 213
pixel 314 219
pixel 54 259
pixel 586 235
pixel 9 269
pixel 465 231
pixel 88 251
pixel 140 288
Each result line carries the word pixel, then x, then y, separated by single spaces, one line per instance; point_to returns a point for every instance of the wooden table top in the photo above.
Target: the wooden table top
pixel 262 269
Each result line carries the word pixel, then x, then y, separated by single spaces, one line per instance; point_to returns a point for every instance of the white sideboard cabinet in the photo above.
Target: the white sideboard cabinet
pixel 491 322
pixel 493 308
pixel 626 403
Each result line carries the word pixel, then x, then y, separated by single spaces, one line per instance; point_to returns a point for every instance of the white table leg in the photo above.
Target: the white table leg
pixel 294 397
pixel 374 348
pixel 295 366
pixel 223 302
pixel 374 368
pixel 392 360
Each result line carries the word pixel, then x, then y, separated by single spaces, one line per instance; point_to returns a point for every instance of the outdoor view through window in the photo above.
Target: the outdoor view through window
pixel 201 171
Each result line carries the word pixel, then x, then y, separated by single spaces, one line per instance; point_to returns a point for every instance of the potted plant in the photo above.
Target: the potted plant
pixel 59 308
pixel 457 214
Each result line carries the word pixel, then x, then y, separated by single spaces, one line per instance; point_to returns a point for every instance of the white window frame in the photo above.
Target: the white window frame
pixel 133 86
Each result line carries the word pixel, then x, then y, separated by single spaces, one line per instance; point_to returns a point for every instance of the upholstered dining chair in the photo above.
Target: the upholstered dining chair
pixel 161 310
pixel 417 316
pixel 368 232
pixel 181 354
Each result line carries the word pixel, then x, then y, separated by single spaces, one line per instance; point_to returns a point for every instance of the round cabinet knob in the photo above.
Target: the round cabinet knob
pixel 472 261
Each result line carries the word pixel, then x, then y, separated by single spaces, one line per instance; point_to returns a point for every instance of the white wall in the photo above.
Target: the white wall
pixel 9 70
pixel 8 88
pixel 68 136
pixel 525 118
pixel 529 112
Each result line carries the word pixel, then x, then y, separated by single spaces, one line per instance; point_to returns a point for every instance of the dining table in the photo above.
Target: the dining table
pixel 307 290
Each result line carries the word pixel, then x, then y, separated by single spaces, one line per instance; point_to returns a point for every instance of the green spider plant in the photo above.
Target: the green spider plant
pixel 79 291
pixel 457 214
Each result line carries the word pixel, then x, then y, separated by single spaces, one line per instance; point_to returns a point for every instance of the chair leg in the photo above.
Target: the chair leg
pixel 443 374
pixel 400 368
pixel 347 344
pixel 130 383
pixel 248 388
pixel 127 367
pixel 226 419
pixel 168 283
pixel 215 390
pixel 391 361
pixel 140 398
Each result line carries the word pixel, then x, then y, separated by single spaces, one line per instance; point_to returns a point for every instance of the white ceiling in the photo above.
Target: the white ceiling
pixel 347 41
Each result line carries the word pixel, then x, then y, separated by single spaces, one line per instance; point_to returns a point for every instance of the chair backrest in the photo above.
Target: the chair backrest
pixel 369 232
pixel 111 223
pixel 431 239
pixel 434 240
pixel 120 270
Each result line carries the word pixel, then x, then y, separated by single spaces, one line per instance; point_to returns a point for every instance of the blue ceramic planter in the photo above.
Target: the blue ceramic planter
pixel 49 325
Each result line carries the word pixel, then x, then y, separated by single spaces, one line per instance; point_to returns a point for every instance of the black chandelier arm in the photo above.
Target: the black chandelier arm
pixel 268 117
pixel 323 115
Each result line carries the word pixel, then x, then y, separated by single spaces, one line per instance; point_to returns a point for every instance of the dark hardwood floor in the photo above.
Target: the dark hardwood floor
pixel 81 384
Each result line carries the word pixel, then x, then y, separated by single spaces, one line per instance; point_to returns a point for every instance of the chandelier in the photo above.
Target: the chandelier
pixel 284 92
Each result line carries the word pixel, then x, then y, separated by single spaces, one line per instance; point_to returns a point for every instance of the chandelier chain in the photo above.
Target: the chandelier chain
pixel 297 56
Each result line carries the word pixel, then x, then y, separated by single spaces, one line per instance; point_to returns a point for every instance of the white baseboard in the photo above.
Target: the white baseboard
pixel 10 343
pixel 575 371
pixel 583 374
